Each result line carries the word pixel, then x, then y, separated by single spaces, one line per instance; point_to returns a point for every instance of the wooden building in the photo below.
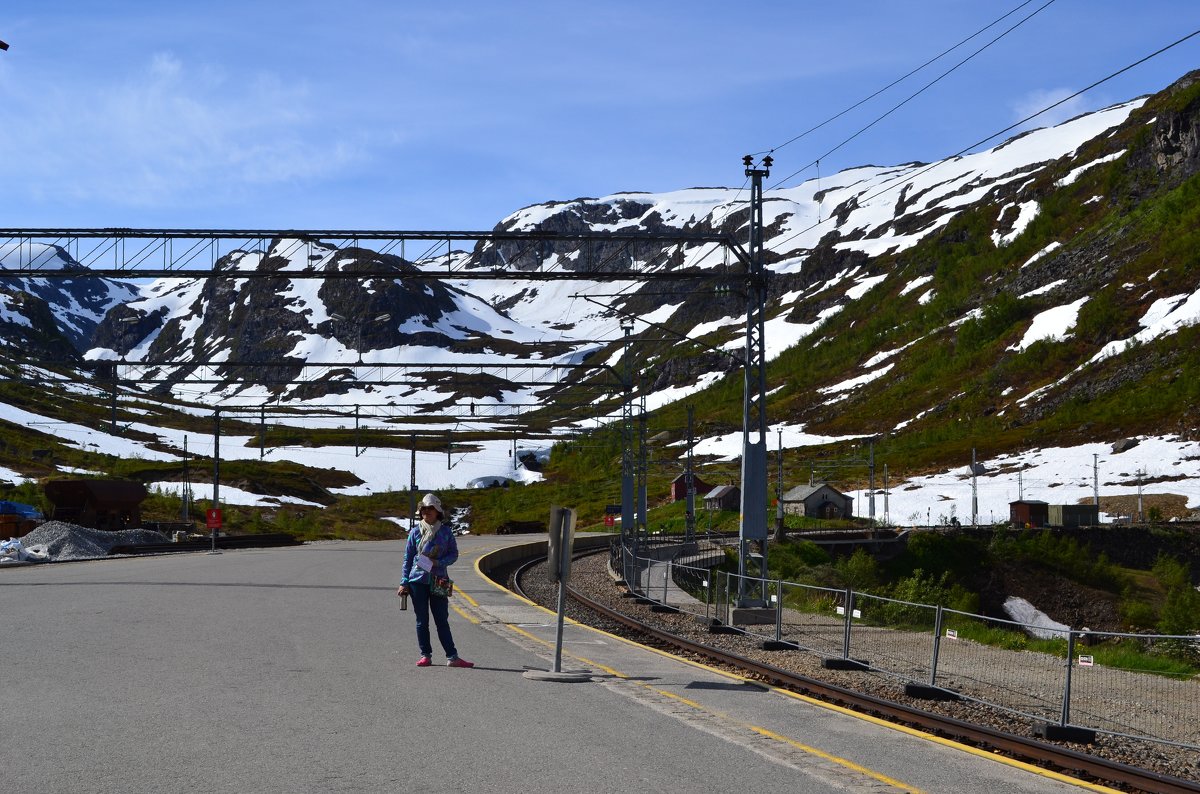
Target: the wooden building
pixel 679 487
pixel 1073 515
pixel 818 501
pixel 723 497
pixel 1030 513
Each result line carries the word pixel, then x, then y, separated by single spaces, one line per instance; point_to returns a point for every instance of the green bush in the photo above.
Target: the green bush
pixel 859 571
pixel 1181 612
pixel 1173 574
pixel 792 560
pixel 1062 554
pixel 957 556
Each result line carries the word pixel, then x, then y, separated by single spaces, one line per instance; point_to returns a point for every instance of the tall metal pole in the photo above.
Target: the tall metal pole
pixel 689 479
pixel 974 490
pixel 779 492
pixel 871 497
pixel 187 484
pixel 642 472
pixel 1095 480
pixel 412 482
pixel 262 431
pixel 754 405
pixel 628 530
pixel 216 496
pixel 887 518
pixel 216 499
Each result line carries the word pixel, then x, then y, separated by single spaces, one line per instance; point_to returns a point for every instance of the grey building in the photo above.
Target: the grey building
pixel 723 497
pixel 818 501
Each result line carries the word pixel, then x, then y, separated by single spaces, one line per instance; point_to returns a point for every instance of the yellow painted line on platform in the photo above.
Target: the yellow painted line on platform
pixel 537 639
pixel 857 715
pixel 862 770
pixel 806 748
pixel 948 743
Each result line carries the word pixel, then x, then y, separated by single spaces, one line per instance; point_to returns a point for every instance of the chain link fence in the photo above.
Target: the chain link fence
pixel 1122 684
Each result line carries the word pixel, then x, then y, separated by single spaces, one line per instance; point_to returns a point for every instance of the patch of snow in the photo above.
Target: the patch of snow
pixel 1053 324
pixel 1075 173
pixel 1051 248
pixel 915 284
pixel 1026 212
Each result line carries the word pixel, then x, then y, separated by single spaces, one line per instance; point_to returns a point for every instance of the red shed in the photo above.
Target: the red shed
pixel 1029 513
pixel 679 487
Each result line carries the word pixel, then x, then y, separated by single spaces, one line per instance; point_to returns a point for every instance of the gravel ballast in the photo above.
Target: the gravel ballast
pixel 591 576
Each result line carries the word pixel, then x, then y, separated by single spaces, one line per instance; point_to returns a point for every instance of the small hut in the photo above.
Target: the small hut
pixel 1030 513
pixel 679 487
pixel 99 504
pixel 723 497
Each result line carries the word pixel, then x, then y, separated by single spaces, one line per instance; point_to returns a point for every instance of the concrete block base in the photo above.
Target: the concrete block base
pixel 753 616
pixel 563 676
pixel 1064 733
pixel 926 692
pixel 832 663
pixel 721 628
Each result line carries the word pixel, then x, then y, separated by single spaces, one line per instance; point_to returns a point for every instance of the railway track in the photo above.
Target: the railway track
pixel 1041 753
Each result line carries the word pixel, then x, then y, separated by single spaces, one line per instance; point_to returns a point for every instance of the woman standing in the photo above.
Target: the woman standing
pixel 431 548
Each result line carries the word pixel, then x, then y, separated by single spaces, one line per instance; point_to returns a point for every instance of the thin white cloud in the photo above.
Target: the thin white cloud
pixel 167 132
pixel 1036 100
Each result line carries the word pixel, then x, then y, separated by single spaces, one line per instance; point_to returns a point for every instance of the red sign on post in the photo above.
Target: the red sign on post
pixel 609 521
pixel 214 518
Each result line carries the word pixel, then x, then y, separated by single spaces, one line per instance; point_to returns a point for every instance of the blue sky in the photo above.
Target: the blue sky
pixel 404 115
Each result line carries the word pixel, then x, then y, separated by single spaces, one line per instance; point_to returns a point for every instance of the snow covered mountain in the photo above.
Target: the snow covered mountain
pixel 1041 291
pixel 38 314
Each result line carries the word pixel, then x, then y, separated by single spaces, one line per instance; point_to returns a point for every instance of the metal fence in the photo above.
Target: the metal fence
pixel 1102 681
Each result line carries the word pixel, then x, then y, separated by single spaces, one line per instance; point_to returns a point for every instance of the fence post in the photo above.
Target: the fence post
pixel 779 610
pixel 937 644
pixel 1066 706
pixel 666 578
pixel 846 630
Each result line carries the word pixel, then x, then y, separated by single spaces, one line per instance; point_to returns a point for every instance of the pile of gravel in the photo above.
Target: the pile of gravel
pixel 66 541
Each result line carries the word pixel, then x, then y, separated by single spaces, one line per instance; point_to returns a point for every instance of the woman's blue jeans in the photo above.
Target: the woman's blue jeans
pixel 424 603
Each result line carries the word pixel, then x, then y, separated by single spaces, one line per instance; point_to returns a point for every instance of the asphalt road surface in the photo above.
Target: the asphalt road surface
pixel 292 670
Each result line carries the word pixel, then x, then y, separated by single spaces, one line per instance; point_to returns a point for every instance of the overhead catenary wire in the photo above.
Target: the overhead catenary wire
pixel 902 178
pixel 915 94
pixel 735 202
pixel 897 81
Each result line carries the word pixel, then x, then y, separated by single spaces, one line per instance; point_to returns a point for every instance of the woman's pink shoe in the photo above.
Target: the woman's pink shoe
pixel 456 662
pixel 424 661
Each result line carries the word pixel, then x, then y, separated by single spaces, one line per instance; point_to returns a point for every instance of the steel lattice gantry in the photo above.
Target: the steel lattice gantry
pixel 205 253
pixel 128 253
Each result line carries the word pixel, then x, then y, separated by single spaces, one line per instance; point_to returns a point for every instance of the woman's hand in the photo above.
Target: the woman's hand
pixel 404 590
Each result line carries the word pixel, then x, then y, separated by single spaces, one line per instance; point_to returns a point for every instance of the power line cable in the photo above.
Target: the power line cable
pixel 897 81
pixel 891 184
pixel 733 203
pixel 917 93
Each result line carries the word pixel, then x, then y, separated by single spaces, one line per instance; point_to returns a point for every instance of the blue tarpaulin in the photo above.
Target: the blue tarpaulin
pixel 8 508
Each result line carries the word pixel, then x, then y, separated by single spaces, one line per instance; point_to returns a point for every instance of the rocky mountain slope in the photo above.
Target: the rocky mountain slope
pixel 1041 291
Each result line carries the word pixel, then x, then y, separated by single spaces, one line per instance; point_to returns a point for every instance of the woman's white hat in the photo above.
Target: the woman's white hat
pixel 431 500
